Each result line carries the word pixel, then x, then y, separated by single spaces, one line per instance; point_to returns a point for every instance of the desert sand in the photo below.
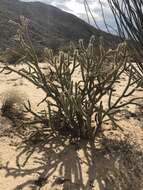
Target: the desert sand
pixel 112 163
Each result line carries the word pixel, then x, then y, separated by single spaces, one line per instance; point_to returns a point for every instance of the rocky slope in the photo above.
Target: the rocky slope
pixel 49 26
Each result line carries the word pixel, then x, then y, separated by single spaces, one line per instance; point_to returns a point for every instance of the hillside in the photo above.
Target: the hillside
pixel 49 26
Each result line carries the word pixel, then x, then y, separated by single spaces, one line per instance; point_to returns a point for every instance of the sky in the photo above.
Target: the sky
pixel 77 8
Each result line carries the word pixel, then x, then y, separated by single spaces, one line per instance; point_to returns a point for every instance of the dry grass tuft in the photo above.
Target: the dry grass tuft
pixel 13 105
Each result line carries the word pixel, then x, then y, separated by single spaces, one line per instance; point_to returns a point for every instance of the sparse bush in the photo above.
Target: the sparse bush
pixel 77 106
pixel 10 56
pixel 14 55
pixel 12 106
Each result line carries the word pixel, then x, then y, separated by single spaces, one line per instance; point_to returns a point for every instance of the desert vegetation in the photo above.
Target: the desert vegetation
pixel 12 106
pixel 78 108
pixel 130 26
pixel 86 130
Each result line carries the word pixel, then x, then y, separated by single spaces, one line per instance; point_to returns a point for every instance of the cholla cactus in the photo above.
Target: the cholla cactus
pixel 76 106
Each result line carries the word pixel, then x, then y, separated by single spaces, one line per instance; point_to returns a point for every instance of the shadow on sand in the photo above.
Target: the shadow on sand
pixel 114 165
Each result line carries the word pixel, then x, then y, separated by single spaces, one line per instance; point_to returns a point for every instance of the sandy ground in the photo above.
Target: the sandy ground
pixel 114 163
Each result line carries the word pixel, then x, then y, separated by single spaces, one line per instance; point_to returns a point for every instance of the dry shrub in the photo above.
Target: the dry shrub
pixel 12 105
pixel 10 56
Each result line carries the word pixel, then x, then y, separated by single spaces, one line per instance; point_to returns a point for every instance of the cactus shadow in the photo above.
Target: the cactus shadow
pixel 82 166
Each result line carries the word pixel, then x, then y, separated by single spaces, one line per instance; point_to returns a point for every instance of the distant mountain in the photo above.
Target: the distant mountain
pixel 49 26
